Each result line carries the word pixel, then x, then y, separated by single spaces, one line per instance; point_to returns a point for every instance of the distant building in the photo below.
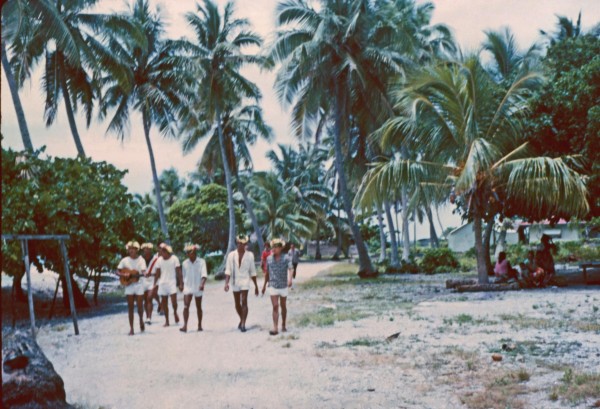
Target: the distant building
pixel 463 239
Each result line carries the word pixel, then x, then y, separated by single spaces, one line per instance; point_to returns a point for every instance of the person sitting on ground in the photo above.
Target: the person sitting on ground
pixel 528 268
pixel 503 269
pixel 544 259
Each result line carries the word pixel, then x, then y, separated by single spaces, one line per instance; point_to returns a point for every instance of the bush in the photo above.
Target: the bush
pixel 213 262
pixel 439 260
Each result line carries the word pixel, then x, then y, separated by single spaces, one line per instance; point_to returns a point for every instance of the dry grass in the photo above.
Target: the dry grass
pixel 577 387
pixel 501 392
pixel 522 321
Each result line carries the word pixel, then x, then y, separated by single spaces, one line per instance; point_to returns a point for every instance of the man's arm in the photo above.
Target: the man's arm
pixel 290 274
pixel 255 285
pixel 227 272
pixel 266 279
pixel 179 277
pixel 253 275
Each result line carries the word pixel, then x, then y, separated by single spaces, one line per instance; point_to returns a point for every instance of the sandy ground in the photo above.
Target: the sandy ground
pixel 441 358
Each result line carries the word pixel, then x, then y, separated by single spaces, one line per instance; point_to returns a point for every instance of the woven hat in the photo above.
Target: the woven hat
pixel 133 244
pixel 242 238
pixel 191 247
pixel 167 248
pixel 149 246
pixel 277 243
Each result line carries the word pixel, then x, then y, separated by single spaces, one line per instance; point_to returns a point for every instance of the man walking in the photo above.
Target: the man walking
pixel 294 256
pixel 168 271
pixel 129 267
pixel 150 279
pixel 239 269
pixel 194 279
pixel 279 277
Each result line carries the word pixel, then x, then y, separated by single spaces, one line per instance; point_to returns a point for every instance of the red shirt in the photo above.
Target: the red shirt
pixel 263 259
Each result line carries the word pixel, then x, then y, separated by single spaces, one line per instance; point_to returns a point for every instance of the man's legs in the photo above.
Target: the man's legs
pixel 157 298
pixel 295 265
pixel 199 311
pixel 130 299
pixel 149 306
pixel 244 306
pixel 140 307
pixel 275 302
pixel 238 306
pixel 283 302
pixel 165 307
pixel 174 303
pixel 187 300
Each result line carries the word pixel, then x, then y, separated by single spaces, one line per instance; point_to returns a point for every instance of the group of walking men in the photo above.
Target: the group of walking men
pixel 161 274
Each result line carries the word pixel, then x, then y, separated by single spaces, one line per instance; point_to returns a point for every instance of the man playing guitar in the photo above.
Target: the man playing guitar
pixel 130 270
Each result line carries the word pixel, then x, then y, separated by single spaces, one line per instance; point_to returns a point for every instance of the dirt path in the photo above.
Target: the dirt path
pixel 163 368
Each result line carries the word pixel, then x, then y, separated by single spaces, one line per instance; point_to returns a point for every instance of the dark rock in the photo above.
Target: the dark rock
pixel 29 380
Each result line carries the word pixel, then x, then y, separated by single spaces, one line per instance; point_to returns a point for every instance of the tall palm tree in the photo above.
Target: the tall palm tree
pixel 241 128
pixel 331 51
pixel 565 28
pixel 218 50
pixel 472 129
pixel 171 187
pixel 158 77
pixel 26 25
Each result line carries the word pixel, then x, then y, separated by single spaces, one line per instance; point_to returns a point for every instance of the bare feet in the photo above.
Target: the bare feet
pixel 166 324
pixel 142 327
pixel 176 318
pixel 243 329
pixel 199 329
pixel 283 329
pixel 240 325
pixel 273 333
pixel 131 332
pixel 183 329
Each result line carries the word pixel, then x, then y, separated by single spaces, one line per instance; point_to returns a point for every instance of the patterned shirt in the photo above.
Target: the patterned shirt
pixel 278 271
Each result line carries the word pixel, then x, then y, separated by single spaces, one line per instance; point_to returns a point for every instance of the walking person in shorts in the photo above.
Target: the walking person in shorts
pixel 279 278
pixel 240 269
pixel 168 270
pixel 194 279
pixel 133 264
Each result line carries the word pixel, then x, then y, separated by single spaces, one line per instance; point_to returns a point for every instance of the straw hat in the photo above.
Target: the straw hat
pixel 242 238
pixel 277 243
pixel 149 246
pixel 133 244
pixel 168 248
pixel 191 247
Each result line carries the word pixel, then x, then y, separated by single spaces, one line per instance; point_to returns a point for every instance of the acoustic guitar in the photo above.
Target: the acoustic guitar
pixel 132 277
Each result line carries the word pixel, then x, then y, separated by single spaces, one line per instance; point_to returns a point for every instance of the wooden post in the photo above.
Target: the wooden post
pixel 25 250
pixel 63 249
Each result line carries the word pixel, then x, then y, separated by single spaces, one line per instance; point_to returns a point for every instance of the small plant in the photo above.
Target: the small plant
pixel 439 260
pixel 523 375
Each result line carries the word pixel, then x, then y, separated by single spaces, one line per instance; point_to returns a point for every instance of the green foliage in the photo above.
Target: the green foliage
pixel 79 197
pixel 566 114
pixel 202 220
pixel 440 260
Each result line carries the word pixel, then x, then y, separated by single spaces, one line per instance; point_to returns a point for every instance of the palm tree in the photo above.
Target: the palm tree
pixel 508 61
pixel 241 127
pixel 218 51
pixel 25 25
pixel 276 209
pixel 472 129
pixel 565 29
pixel 158 76
pixel 171 187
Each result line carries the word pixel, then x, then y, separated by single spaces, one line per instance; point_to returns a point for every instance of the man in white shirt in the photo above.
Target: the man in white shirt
pixel 194 279
pixel 129 267
pixel 151 259
pixel 240 269
pixel 168 271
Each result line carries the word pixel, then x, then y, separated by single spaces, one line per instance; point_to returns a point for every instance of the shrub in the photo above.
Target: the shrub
pixel 439 260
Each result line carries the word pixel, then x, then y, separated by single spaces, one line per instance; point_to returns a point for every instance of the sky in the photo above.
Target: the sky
pixel 467 18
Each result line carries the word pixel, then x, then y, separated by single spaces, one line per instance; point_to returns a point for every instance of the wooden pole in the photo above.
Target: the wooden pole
pixel 51 313
pixel 25 250
pixel 63 249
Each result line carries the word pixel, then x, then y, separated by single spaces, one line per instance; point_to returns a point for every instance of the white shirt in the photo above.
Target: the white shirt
pixel 193 274
pixel 138 264
pixel 152 265
pixel 240 273
pixel 168 274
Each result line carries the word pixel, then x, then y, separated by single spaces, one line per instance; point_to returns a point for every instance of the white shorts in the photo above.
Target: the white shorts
pixel 238 288
pixel 196 294
pixel 148 283
pixel 166 289
pixel 281 292
pixel 135 289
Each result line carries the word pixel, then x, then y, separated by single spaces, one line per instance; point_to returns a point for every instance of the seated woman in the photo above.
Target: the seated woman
pixel 529 272
pixel 503 269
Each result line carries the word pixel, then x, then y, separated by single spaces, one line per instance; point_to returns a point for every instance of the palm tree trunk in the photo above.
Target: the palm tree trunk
pixel 318 244
pixel 394 241
pixel 159 204
pixel 251 214
pixel 433 238
pixel 365 266
pixel 489 229
pixel 482 271
pixel 382 239
pixel 14 92
pixel 70 115
pixel 228 183
pixel 405 226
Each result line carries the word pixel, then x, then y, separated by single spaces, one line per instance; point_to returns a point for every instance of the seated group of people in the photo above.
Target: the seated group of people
pixel 537 270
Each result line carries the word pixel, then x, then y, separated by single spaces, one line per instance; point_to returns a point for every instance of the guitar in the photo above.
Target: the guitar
pixel 131 277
